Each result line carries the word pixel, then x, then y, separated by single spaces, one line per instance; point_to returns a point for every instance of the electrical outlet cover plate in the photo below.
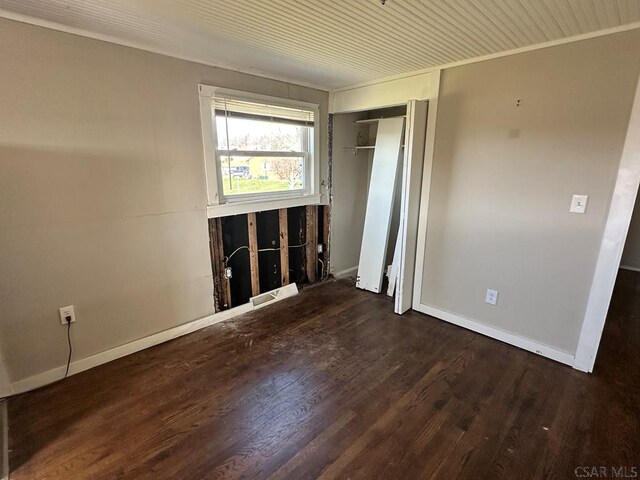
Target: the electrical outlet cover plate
pixel 492 297
pixel 65 312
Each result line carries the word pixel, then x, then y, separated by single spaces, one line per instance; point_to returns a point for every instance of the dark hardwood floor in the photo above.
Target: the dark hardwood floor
pixel 331 384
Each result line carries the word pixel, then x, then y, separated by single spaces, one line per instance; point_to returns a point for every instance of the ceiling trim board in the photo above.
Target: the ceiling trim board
pixel 39 22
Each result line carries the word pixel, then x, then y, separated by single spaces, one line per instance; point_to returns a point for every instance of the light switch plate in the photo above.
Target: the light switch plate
pixel 579 203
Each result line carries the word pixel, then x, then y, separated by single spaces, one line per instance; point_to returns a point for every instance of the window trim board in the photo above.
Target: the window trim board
pixel 216 202
pixel 273 203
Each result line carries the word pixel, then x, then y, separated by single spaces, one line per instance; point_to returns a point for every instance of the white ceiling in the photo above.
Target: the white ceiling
pixel 330 43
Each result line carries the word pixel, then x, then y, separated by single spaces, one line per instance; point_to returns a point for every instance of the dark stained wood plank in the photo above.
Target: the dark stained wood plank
pixel 331 384
pixel 284 245
pixel 308 453
pixel 253 254
pixel 4 440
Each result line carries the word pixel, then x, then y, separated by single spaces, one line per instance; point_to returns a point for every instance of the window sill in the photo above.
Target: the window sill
pixel 237 208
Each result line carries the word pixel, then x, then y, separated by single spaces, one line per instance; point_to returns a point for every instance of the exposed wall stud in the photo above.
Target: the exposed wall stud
pixel 284 245
pixel 312 242
pixel 221 289
pixel 242 237
pixel 253 254
pixel 226 286
pixel 326 232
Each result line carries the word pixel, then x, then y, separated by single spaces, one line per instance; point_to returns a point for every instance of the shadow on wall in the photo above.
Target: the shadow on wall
pixel 105 232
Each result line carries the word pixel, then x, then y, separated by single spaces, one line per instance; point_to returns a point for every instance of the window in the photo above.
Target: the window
pixel 258 149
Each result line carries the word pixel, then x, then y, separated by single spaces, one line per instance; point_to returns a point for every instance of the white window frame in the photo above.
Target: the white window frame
pixel 218 204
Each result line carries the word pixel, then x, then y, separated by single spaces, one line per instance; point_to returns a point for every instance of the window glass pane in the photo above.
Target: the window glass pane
pixel 246 134
pixel 248 175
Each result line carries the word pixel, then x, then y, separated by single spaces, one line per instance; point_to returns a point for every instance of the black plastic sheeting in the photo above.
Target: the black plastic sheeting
pixel 235 238
pixel 297 222
pixel 268 230
pixel 235 234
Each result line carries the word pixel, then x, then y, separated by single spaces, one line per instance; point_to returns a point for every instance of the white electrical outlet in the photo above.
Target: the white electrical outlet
pixel 579 203
pixel 492 297
pixel 65 312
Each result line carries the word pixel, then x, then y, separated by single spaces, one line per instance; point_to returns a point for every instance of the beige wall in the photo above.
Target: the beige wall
pixel 102 192
pixel 349 192
pixel 504 175
pixel 631 254
pixel 5 384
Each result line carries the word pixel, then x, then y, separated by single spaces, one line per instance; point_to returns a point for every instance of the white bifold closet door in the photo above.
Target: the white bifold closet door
pixel 404 260
pixel 375 237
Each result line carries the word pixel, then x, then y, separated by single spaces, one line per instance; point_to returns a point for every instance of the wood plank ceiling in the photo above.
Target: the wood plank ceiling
pixel 330 43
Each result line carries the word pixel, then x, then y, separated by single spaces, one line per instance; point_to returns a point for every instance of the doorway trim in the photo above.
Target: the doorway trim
pixel 609 256
pixel 425 191
pixel 613 240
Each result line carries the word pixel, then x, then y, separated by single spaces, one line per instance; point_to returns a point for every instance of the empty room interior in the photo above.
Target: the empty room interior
pixel 360 239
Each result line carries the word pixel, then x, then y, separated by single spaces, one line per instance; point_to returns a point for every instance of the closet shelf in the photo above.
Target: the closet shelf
pixel 369 147
pixel 374 120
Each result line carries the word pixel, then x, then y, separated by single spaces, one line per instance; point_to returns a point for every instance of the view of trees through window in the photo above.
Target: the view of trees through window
pixel 250 170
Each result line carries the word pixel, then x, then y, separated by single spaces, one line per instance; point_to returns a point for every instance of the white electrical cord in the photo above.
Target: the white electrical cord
pixel 226 259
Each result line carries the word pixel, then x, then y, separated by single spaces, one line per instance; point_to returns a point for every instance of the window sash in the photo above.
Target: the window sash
pixel 265 118
pixel 305 133
pixel 223 152
pixel 306 154
pixel 282 107
pixel 262 110
pixel 231 197
pixel 242 196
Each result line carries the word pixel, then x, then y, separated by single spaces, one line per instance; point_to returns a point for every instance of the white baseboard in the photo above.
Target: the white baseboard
pixel 344 273
pixel 627 267
pixel 506 337
pixel 86 363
